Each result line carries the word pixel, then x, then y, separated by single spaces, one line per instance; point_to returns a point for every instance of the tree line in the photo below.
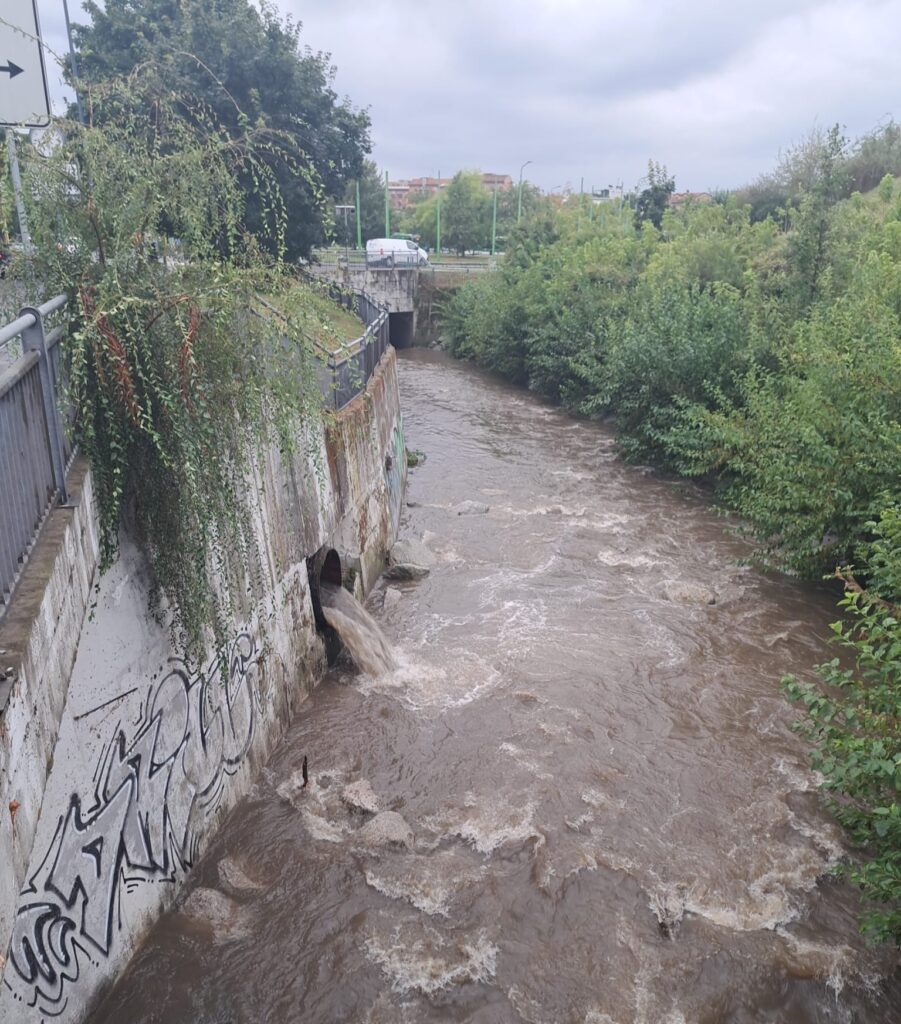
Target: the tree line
pixel 753 342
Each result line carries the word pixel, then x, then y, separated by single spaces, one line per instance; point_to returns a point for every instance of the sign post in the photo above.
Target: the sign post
pixel 17 190
pixel 24 97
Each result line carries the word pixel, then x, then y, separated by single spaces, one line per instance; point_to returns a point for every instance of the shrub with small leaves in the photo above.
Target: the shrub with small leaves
pixel 176 381
pixel 853 722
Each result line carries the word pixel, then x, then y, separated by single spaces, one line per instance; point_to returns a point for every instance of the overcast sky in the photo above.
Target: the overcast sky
pixel 594 88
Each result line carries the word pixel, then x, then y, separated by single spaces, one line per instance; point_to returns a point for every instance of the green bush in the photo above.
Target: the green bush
pixel 853 722
pixel 175 382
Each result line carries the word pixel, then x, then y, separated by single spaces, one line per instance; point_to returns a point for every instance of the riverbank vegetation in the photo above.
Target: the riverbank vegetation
pixel 752 340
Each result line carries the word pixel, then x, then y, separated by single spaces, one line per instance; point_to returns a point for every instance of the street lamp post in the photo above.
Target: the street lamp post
pixel 346 210
pixel 519 204
pixel 387 210
pixel 73 63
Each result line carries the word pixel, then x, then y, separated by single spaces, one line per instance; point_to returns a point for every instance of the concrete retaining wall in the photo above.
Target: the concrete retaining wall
pixel 120 759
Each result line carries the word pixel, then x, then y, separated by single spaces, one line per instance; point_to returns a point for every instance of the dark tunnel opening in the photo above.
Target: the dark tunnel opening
pixel 401 329
pixel 325 567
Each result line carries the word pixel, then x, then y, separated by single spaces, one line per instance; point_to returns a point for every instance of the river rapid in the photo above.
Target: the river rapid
pixel 610 818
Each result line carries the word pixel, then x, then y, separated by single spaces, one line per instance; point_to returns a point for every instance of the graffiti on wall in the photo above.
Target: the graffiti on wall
pixel 395 475
pixel 155 786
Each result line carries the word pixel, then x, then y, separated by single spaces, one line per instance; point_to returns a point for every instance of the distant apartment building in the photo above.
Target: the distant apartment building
pixel 401 193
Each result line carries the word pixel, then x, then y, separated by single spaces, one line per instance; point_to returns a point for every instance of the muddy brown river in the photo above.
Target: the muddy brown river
pixel 610 820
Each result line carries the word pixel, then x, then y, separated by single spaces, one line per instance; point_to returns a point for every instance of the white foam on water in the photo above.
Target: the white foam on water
pixel 486 823
pixel 430 899
pixel 668 903
pixel 576 823
pixel 429 883
pixel 520 623
pixel 768 902
pixel 417 958
pixel 462 678
pixel 611 860
pixel 663 639
pixel 562 865
pixel 523 760
pixel 800 777
pixel 617 558
pixel 832 965
pixel 826 838
pixel 321 828
pixel 217 913
pixel 527 1008
pixel 597 799
pixel 556 732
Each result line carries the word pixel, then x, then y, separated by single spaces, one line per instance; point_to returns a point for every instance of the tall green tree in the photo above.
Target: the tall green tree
pixel 421 219
pixel 466 212
pixel 249 67
pixel 826 185
pixel 653 199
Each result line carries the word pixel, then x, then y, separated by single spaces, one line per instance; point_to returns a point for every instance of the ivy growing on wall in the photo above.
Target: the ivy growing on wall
pixel 176 382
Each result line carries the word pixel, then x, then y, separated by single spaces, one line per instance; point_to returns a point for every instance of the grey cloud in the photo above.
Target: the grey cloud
pixel 593 89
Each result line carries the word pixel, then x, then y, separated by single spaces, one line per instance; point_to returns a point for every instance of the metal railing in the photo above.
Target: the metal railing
pixel 336 258
pixel 346 370
pixel 353 363
pixel 35 446
pixel 403 259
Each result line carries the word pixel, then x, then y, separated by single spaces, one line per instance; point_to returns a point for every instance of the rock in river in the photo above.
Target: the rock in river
pixel 470 508
pixel 359 796
pixel 409 560
pixel 386 829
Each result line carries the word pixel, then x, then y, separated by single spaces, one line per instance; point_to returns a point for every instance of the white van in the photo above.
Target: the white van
pixel 394 252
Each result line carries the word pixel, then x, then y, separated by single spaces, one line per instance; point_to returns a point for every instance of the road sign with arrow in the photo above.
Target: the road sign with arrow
pixel 24 98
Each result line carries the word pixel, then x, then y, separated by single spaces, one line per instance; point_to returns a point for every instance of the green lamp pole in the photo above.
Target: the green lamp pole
pixel 494 221
pixel 438 219
pixel 579 217
pixel 359 225
pixel 519 204
pixel 73 62
pixel 387 210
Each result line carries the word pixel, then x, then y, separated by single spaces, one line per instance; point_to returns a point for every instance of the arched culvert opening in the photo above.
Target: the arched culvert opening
pixel 325 568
